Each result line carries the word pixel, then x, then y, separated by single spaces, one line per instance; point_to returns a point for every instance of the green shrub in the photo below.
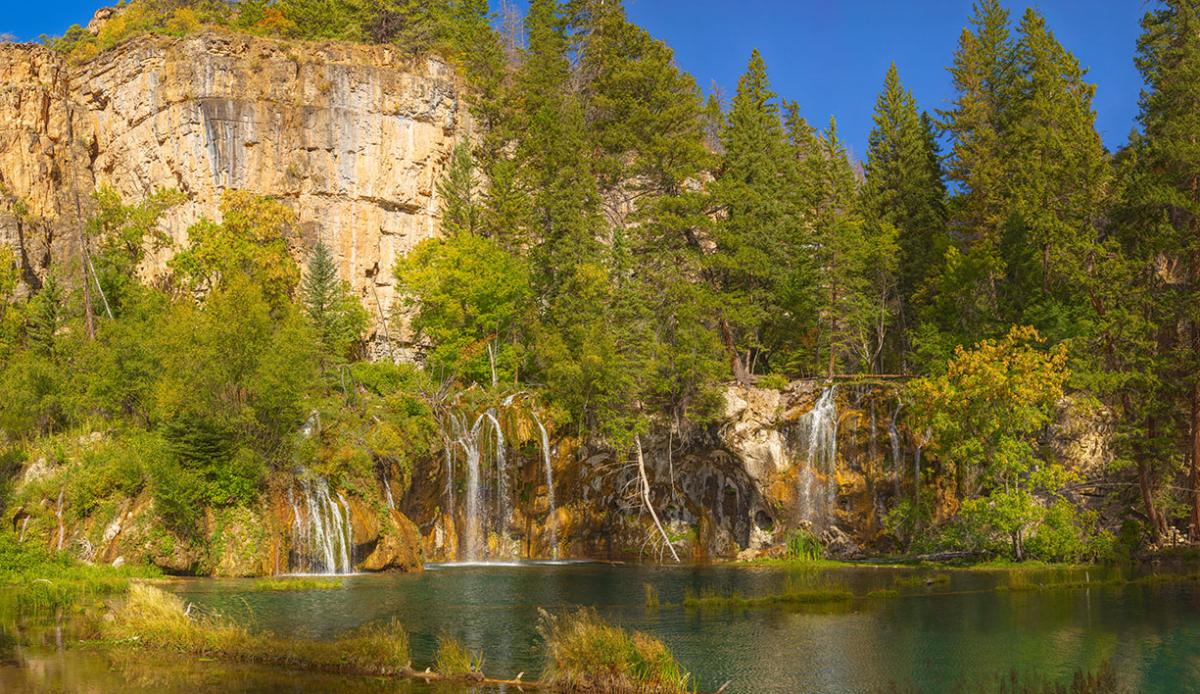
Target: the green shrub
pixel 178 496
pixel 772 382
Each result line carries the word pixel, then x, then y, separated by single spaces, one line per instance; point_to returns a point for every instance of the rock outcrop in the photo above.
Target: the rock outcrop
pixel 353 138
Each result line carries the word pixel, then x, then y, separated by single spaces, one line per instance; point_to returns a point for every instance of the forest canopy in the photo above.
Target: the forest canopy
pixel 625 245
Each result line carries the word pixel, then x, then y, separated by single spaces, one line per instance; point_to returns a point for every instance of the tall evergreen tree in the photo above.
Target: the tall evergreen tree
pixel 333 311
pixel 1057 177
pixel 983 76
pixel 904 190
pixel 757 237
pixel 1169 59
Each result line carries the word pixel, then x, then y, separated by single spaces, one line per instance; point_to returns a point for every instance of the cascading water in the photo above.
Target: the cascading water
pixel 816 436
pixel 387 491
pixel 322 536
pixel 502 514
pixel 552 518
pixel 474 508
pixel 897 454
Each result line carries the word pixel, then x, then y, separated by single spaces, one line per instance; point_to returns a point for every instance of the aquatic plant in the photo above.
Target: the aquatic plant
pixel 921 580
pixel 298 584
pixel 454 660
pixel 1102 681
pixel 652 600
pixel 790 596
pixel 586 654
pixel 154 618
pixel 884 593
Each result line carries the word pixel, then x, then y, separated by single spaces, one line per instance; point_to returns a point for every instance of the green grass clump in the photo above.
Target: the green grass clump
pixel 454 661
pixel 36 579
pixel 298 584
pixel 586 654
pixel 804 546
pixel 153 618
pixel 884 594
pixel 790 597
pixel 921 580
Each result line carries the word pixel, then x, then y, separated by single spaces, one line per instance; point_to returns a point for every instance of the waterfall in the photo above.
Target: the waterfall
pixel 552 518
pixel 897 454
pixel 502 514
pixel 322 536
pixel 473 533
pixel 387 490
pixel 448 454
pixel 816 433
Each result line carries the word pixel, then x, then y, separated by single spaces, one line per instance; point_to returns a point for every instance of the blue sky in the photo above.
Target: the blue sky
pixel 828 55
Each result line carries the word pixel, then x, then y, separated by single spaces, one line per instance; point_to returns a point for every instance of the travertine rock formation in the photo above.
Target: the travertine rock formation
pixel 352 137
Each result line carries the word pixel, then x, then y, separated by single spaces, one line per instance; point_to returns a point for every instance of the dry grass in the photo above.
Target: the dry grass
pixel 156 619
pixel 586 654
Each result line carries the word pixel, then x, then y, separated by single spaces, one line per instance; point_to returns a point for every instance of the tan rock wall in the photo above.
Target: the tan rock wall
pixel 353 138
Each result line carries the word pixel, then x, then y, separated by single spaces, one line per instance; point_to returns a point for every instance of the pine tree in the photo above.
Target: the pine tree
pixel 904 190
pixel 757 236
pixel 459 189
pixel 646 117
pixel 1058 175
pixel 552 153
pixel 332 310
pixel 1169 59
pixel 856 266
pixel 983 76
pixel 45 317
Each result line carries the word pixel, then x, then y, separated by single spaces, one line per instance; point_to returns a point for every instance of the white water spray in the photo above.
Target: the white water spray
pixel 322 536
pixel 502 513
pixel 553 517
pixel 897 454
pixel 816 434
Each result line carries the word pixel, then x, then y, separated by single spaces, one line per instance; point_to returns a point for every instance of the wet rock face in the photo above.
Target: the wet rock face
pixel 353 138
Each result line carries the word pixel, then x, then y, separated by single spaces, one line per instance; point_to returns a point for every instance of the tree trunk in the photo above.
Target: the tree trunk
pixel 740 373
pixel 646 498
pixel 1194 477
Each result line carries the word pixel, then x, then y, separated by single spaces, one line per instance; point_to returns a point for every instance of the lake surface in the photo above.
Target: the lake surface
pixel 963 635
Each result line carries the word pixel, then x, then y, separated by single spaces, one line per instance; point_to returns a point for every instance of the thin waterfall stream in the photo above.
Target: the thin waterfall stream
pixel 552 518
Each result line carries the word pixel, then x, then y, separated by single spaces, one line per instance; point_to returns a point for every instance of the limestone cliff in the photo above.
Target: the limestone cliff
pixel 352 137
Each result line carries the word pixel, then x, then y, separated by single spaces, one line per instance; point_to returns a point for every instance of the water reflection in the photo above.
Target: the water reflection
pixel 931 638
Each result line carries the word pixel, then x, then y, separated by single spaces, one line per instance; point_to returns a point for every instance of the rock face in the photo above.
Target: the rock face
pixel 353 138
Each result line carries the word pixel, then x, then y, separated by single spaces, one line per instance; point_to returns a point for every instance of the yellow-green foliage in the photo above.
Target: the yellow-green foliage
pixel 586 654
pixel 134 19
pixel 156 619
pixel 455 660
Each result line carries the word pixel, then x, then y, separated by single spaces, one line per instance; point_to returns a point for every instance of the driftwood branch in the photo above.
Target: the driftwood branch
pixel 646 498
